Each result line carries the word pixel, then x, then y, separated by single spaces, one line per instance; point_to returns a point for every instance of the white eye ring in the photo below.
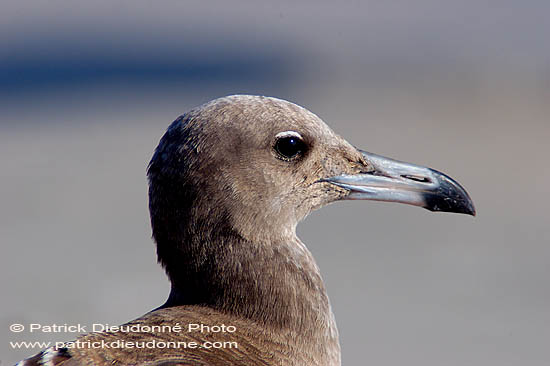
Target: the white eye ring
pixel 287 134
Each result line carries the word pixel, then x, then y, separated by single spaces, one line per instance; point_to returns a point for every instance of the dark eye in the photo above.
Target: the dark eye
pixel 290 146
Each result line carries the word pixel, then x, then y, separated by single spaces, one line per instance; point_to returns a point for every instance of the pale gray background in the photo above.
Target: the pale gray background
pixel 462 86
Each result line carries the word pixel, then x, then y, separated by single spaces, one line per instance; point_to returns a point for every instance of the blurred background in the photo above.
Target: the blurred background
pixel 88 88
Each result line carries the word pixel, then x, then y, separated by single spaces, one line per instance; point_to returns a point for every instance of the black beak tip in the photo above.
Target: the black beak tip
pixel 451 197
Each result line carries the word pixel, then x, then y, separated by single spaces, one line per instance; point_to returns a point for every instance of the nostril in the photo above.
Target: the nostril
pixel 417 178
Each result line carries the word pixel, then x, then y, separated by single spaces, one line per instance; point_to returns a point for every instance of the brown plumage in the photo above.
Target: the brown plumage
pixel 229 182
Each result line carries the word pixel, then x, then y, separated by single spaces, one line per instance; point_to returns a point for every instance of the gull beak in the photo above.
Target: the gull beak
pixel 395 181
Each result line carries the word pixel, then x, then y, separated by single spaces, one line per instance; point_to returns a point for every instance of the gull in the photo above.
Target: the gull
pixel 228 184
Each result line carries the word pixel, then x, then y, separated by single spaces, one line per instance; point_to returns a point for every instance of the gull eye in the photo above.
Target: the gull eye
pixel 289 145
